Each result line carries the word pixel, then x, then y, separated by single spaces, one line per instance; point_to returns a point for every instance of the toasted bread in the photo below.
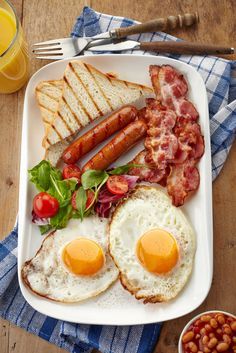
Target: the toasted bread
pixel 88 94
pixel 54 152
pixel 48 94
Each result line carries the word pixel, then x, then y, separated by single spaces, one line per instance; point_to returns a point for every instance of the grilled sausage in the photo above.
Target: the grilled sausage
pixel 123 141
pixel 99 133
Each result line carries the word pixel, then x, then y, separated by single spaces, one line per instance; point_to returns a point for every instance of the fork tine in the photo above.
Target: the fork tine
pixel 54 41
pixel 49 52
pixel 52 48
pixel 52 57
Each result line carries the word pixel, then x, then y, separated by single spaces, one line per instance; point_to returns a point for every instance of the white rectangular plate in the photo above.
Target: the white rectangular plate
pixel 117 306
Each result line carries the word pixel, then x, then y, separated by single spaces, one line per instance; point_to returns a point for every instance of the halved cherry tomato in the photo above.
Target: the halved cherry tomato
pixel 90 198
pixel 117 184
pixel 45 205
pixel 71 171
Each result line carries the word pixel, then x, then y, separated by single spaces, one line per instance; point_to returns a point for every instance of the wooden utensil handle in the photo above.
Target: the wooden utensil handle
pixel 185 48
pixel 159 24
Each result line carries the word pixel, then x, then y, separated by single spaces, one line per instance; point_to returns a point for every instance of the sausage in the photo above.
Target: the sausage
pixel 123 141
pixel 99 133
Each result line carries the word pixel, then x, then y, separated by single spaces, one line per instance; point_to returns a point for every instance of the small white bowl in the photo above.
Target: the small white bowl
pixel 180 347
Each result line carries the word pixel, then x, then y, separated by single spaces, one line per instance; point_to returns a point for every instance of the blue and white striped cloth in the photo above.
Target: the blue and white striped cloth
pixel 220 78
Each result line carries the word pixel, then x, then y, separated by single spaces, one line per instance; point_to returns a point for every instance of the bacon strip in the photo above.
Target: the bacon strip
pixel 148 173
pixel 161 144
pixel 184 176
pixel 190 140
pixel 167 83
pixel 171 89
pixel 182 179
pixel 174 143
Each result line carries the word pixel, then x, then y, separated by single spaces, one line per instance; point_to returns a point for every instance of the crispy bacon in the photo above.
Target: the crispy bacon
pixel 185 109
pixel 182 179
pixel 167 83
pixel 171 89
pixel 174 143
pixel 161 144
pixel 190 140
pixel 148 173
pixel 154 71
pixel 184 176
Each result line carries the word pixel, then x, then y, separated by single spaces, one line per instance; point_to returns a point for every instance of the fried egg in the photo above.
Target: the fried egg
pixel 73 263
pixel 152 244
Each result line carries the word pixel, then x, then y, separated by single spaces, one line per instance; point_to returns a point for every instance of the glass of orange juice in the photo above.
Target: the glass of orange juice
pixel 14 62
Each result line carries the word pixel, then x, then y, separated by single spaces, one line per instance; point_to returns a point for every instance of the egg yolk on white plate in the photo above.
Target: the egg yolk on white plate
pixel 157 251
pixel 83 256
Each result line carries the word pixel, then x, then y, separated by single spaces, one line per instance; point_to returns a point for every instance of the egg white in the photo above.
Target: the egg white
pixel 149 208
pixel 47 275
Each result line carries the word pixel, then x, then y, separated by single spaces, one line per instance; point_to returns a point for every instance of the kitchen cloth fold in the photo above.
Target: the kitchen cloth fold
pixel 219 76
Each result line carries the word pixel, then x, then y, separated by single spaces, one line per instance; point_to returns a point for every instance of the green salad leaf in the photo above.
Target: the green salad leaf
pixel 80 200
pixel 62 190
pixel 45 229
pixel 40 175
pixel 93 178
pixel 61 219
pixel 123 169
pixel 49 179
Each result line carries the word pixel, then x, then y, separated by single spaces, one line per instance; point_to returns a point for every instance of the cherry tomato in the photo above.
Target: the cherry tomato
pixel 73 200
pixel 71 171
pixel 90 198
pixel 45 205
pixel 117 184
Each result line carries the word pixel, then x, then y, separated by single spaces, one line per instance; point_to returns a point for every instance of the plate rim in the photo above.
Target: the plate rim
pixel 23 197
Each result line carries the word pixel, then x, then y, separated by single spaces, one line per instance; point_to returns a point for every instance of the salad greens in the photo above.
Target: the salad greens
pixel 49 179
pixel 93 178
pixel 80 200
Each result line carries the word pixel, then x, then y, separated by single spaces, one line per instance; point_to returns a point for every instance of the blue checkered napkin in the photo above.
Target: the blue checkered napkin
pixel 220 78
pixel 218 74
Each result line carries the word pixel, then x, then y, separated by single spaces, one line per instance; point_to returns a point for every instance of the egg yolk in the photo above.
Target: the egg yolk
pixel 83 256
pixel 157 251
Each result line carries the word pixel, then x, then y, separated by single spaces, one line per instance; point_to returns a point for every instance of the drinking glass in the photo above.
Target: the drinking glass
pixel 14 62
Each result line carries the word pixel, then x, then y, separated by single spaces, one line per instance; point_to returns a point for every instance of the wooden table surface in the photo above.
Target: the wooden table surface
pixel 43 19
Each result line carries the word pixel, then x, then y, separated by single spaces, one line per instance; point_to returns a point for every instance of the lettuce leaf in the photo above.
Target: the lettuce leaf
pixel 49 179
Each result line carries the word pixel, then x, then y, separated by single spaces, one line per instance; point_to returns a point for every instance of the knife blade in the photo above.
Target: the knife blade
pixel 115 46
pixel 165 47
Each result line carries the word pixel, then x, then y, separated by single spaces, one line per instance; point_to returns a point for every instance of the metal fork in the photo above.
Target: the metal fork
pixel 63 48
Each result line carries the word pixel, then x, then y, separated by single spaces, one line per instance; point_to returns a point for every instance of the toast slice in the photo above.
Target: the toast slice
pixel 54 152
pixel 87 94
pixel 48 94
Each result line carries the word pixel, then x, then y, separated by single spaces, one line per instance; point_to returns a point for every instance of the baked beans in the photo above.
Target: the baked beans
pixel 211 333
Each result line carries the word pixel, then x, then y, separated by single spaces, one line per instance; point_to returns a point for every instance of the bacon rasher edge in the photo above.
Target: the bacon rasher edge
pixel 171 90
pixel 174 167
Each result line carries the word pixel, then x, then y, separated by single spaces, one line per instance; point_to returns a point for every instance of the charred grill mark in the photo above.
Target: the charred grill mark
pixel 43 106
pixel 111 81
pixel 79 101
pixel 74 115
pixel 107 100
pixel 65 123
pixel 47 95
pixel 82 83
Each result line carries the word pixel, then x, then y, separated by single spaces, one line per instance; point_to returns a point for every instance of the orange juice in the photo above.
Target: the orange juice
pixel 13 51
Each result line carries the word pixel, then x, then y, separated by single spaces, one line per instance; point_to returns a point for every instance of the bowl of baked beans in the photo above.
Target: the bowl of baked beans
pixel 209 332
